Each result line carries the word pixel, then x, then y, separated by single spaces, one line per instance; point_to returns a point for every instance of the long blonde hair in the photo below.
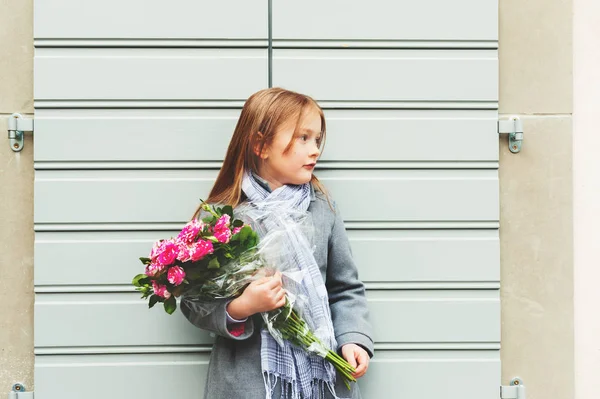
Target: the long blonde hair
pixel 265 112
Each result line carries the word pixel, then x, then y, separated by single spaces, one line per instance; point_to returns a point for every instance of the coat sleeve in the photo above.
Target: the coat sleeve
pixel 347 301
pixel 215 321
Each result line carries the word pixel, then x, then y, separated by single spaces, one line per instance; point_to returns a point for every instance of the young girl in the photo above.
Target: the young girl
pixel 272 155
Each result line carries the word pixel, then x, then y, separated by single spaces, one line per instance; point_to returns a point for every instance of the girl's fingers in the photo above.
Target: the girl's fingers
pixel 349 355
pixel 262 280
pixel 363 363
pixel 280 294
pixel 273 282
pixel 281 302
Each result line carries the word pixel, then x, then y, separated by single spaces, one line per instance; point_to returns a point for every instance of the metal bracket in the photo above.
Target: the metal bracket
pixel 514 127
pixel 516 390
pixel 17 125
pixel 18 392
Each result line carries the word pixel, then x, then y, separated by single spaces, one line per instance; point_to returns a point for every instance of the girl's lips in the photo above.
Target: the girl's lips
pixel 310 166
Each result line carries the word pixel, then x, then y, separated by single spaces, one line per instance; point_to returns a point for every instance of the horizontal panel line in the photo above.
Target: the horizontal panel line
pixel 386 44
pixel 326 104
pixel 71 165
pixel 437 346
pixel 428 225
pixel 433 285
pixel 152 43
pixel 153 349
pixel 388 285
pixel 84 350
pixel 467 105
pixel 477 225
pixel 127 104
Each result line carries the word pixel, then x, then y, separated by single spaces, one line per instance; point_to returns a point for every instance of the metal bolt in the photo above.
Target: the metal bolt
pixel 18 388
pixel 16 145
pixel 514 147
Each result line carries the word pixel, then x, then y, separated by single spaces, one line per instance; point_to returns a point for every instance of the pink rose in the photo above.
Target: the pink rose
pixel 161 290
pixel 223 236
pixel 168 252
pixel 176 275
pixel 190 231
pixel 153 269
pixel 222 231
pixel 223 222
pixel 184 251
pixel 236 230
pixel 200 249
pixel 155 250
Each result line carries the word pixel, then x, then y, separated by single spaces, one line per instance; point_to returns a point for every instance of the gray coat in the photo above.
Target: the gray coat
pixel 235 367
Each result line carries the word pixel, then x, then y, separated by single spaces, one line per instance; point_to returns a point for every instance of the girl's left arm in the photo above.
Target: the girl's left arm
pixel 349 311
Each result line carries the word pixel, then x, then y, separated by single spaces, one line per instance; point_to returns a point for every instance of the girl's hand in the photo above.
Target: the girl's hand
pixel 261 295
pixel 357 357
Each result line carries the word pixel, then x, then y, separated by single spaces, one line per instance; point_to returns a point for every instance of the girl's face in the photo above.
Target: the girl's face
pixel 297 164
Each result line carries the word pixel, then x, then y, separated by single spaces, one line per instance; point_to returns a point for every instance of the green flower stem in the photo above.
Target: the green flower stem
pixel 294 329
pixel 334 357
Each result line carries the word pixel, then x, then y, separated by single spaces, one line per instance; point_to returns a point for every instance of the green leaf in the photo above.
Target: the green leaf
pixel 214 263
pixel 244 233
pixel 153 300
pixel 237 223
pixel 170 305
pixel 137 280
pixel 208 219
pixel 145 290
pixel 145 261
pixel 252 241
pixel 228 209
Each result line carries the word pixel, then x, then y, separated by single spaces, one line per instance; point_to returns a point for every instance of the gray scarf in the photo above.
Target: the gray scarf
pixel 301 375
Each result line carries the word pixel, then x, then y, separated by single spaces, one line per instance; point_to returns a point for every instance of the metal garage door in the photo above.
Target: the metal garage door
pixel 134 105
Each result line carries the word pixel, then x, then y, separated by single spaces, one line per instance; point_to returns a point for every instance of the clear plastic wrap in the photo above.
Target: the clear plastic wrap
pixel 220 255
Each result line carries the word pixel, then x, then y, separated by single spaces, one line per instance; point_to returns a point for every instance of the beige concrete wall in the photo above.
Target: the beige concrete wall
pixel 536 198
pixel 16 198
pixel 586 196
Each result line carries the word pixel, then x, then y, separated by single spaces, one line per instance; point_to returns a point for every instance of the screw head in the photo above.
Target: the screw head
pixel 18 388
pixel 16 145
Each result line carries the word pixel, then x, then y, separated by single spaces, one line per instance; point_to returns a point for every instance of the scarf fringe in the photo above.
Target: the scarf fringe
pixel 291 389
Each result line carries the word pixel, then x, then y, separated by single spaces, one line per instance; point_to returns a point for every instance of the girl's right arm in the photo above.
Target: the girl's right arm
pixel 260 296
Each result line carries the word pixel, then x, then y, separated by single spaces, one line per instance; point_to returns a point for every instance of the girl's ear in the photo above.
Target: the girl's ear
pixel 259 143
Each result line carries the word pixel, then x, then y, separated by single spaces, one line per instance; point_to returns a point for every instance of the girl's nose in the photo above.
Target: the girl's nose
pixel 316 151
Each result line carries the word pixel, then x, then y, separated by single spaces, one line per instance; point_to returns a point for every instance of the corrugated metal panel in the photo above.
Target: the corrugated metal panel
pixel 427 256
pixel 121 319
pixel 353 135
pixel 125 99
pixel 410 374
pixel 148 196
pixel 148 74
pixel 386 20
pixel 150 19
pixel 389 75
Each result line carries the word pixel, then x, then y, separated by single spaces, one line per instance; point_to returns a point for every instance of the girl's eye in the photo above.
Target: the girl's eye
pixel 304 137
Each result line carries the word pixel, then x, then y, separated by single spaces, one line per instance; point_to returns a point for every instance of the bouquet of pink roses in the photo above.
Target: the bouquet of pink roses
pixel 217 257
pixel 192 262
